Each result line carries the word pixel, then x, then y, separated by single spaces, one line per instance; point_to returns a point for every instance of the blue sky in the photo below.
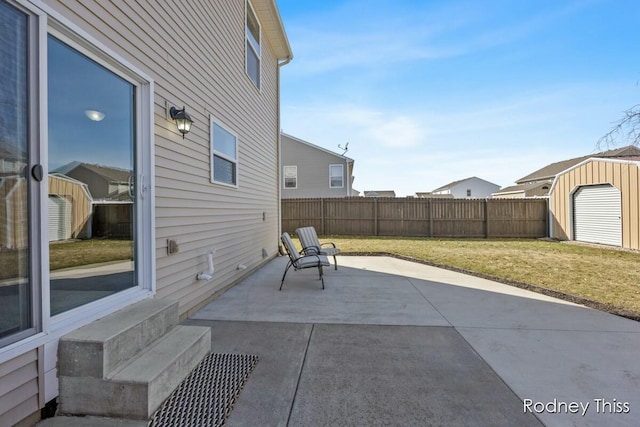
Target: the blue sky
pixel 429 92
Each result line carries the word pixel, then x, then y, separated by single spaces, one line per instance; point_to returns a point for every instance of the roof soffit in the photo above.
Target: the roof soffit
pixel 273 28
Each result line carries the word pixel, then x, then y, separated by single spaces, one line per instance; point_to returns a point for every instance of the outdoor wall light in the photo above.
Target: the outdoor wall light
pixel 182 119
pixel 95 115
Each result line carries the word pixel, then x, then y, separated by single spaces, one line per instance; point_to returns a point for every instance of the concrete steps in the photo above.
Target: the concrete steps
pixel 126 364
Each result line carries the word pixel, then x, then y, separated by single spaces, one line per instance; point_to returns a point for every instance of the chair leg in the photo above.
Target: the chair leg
pixel 289 264
pixel 321 275
pixel 335 262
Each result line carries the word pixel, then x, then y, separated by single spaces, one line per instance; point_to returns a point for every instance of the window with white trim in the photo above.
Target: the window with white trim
pixel 252 31
pixel 336 176
pixel 290 174
pixel 224 155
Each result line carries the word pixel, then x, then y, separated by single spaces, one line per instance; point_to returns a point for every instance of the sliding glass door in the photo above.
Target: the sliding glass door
pixel 75 165
pixel 16 291
pixel 92 199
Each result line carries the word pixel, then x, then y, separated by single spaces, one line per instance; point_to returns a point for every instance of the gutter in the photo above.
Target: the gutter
pixel 279 149
pixel 348 176
pixel 285 62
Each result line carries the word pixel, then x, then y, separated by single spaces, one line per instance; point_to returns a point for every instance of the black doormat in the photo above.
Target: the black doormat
pixel 207 395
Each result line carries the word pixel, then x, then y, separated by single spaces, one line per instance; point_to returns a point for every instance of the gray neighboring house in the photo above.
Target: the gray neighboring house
pixel 104 182
pixel 308 170
pixel 538 183
pixel 380 193
pixel 430 195
pixel 472 187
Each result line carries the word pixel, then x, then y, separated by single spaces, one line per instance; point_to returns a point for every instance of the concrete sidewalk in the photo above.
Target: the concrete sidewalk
pixel 390 342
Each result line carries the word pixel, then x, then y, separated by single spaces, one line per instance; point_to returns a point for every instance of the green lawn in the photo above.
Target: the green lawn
pixel 606 276
pixel 69 254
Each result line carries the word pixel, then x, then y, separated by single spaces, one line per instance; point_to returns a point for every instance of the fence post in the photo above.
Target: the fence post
pixel 322 217
pixel 430 201
pixel 486 218
pixel 547 225
pixel 404 207
pixel 375 216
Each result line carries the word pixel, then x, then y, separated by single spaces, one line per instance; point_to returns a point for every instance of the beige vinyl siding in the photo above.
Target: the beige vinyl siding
pixel 622 175
pixel 19 388
pixel 194 52
pixel 208 78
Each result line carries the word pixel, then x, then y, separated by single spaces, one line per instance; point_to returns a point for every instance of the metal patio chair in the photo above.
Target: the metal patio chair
pixel 309 258
pixel 309 239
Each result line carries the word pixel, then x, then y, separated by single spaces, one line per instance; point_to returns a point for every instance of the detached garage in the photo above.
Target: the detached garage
pixel 597 201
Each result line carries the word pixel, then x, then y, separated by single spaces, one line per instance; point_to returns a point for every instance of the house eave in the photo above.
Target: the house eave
pixel 317 147
pixel 271 22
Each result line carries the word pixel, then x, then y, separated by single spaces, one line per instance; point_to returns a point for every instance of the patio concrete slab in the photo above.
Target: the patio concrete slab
pixel 352 296
pixel 543 349
pixel 599 370
pixel 268 394
pixel 501 306
pixel 364 375
pixel 392 342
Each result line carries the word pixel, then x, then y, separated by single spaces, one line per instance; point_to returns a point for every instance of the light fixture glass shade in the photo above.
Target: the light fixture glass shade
pixel 182 119
pixel 95 115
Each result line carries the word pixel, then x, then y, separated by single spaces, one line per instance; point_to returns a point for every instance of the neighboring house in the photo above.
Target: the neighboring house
pixel 538 183
pixel 104 182
pixel 13 200
pixel 526 190
pixel 14 232
pixel 597 201
pixel 430 195
pixel 10 163
pixel 380 193
pixel 473 187
pixel 312 171
pixel 103 80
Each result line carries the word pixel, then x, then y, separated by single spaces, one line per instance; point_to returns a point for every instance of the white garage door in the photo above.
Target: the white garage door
pixel 597 215
pixel 59 218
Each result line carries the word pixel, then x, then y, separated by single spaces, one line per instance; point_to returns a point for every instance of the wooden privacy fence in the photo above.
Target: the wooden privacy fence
pixel 418 217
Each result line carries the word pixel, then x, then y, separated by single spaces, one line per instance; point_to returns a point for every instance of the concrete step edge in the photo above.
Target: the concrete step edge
pixel 99 347
pixel 152 361
pixel 137 389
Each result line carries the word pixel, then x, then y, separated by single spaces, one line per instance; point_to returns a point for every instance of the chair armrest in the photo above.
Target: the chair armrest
pixel 328 243
pixel 310 250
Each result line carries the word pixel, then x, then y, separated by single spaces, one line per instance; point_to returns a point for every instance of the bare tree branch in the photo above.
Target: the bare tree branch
pixel 627 128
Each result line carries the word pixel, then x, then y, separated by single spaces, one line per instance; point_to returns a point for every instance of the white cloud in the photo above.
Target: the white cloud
pixel 382 128
pixel 399 131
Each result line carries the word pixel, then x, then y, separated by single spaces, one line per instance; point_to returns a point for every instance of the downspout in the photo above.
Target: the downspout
pixel 278 148
pixel 348 177
pixel 550 206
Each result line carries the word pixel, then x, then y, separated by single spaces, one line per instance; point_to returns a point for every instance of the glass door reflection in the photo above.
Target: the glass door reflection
pixel 16 290
pixel 92 202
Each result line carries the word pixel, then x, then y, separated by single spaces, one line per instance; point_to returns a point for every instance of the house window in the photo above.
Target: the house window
pixel 291 177
pixel 468 192
pixel 224 156
pixel 336 176
pixel 252 45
